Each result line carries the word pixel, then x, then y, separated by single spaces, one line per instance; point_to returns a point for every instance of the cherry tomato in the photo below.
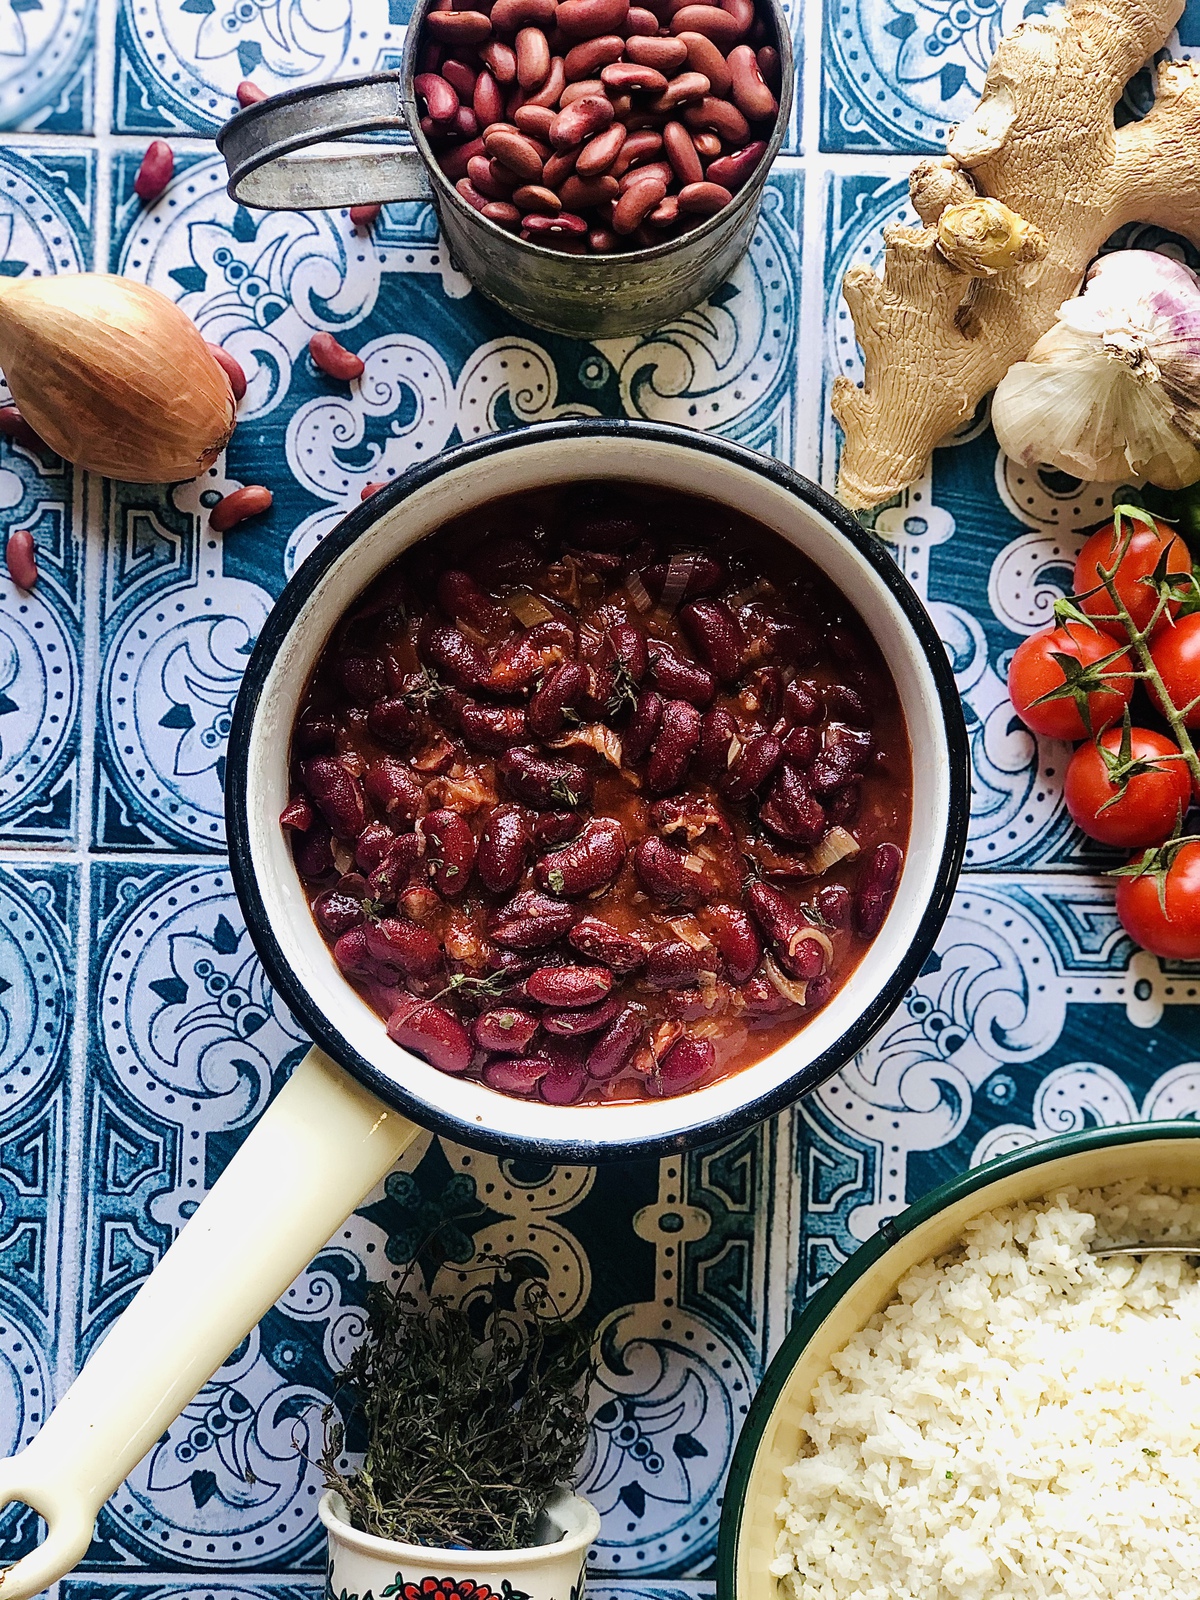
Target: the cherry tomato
pixel 1144 547
pixel 1146 808
pixel 1034 672
pixel 1173 932
pixel 1176 653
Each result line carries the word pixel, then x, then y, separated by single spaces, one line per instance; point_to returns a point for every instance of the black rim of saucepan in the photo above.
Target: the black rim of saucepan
pixel 287 608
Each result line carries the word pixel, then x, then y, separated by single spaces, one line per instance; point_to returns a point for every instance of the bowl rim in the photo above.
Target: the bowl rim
pixel 889 1233
pixel 752 1109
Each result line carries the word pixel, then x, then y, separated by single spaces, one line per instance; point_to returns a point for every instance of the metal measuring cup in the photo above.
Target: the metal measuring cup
pixel 586 297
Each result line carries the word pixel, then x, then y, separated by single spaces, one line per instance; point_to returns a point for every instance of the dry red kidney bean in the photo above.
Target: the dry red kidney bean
pixel 334 358
pixel 876 889
pixel 249 94
pixel 720 117
pixel 562 690
pixel 647 172
pixel 429 1030
pixel 232 368
pixel 683 679
pixel 155 172
pixel 587 59
pixel 579 193
pixel 509 15
pixel 750 94
pixel 542 782
pixel 703 56
pixel 603 943
pixel 548 94
pixel 449 851
pixel 487 179
pixel 568 987
pixel 736 941
pixel 534 197
pixel 249 501
pixel 711 21
pixel 530 921
pixel 689 88
pixel 640 21
pixel 626 77
pixel 467 190
pixel 586 1019
pixel 681 153
pixel 392 788
pixel 20 555
pixel 13 426
pixel 454 162
pixel 505 1030
pixel 599 153
pixel 587 863
pixel 689 1061
pixel 517 151
pixel 664 55
pixel 615 1047
pixel 412 950
pixel 667 875
pixel 517 1075
pixel 337 794
pixel 578 90
pixel 791 811
pixel 297 814
pixel 503 849
pixel 673 748
pixel 703 199
pixel 754 765
pixel 584 117
pixel 732 171
pixel 552 230
pixel 637 203
pixel 587 19
pixel 501 61
pixel 771 67
pixel 461 78
pixel 638 147
pixel 533 58
pixel 675 964
pixel 441 102
pixel 535 121
pixel 458 27
pixel 337 913
pixel 487 101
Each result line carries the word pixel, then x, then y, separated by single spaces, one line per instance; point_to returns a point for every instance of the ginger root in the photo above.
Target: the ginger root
pixel 1034 182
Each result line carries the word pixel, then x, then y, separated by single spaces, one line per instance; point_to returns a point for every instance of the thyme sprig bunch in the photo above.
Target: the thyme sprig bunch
pixel 473 1415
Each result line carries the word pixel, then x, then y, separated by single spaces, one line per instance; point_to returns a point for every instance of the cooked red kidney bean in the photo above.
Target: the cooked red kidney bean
pixel 668 875
pixel 431 1031
pixel 710 840
pixel 673 747
pixel 587 863
pixel 585 1019
pixel 603 943
pixel 518 1075
pixel 249 501
pixel 543 782
pixel 530 921
pixel 449 851
pixel 503 849
pixel 393 789
pixel 689 1061
pixel 876 889
pixel 505 1030
pixel 679 678
pixel 568 987
pixel 337 794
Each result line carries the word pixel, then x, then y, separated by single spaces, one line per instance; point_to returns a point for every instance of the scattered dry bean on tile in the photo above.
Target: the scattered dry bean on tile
pixel 333 358
pixel 599 793
pixel 20 555
pixel 249 501
pixel 155 172
pixel 249 94
pixel 232 368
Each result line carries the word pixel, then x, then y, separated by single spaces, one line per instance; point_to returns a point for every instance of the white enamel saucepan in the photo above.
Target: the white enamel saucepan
pixel 344 1117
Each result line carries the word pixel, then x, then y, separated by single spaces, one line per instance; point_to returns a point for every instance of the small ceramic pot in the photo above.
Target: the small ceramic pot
pixel 361 1567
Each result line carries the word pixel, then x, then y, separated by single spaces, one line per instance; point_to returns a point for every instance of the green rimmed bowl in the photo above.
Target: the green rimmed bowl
pixel 1160 1152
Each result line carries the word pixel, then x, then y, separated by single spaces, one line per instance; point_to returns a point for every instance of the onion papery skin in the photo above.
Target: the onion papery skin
pixel 114 376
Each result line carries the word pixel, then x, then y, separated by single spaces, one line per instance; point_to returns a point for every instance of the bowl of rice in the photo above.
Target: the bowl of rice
pixel 976 1405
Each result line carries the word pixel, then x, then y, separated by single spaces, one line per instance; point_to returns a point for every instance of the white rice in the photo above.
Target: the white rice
pixel 1022 1420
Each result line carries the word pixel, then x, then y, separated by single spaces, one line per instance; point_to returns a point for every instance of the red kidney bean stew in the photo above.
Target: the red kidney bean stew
pixel 593 126
pixel 599 793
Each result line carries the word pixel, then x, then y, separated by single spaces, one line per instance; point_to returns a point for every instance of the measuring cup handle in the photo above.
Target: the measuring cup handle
pixel 320 1147
pixel 261 145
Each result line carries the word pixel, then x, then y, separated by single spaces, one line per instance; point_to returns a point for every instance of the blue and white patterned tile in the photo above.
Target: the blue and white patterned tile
pixel 183 1586
pixel 45 227
pixel 47 65
pixel 39 909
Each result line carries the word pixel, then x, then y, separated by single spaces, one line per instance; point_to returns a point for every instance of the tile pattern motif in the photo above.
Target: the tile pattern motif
pixel 137 1031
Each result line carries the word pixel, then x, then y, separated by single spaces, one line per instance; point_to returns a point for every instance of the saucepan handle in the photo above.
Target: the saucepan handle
pixel 263 148
pixel 322 1145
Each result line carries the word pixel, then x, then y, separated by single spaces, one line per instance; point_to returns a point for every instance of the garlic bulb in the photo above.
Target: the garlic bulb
pixel 1112 391
pixel 114 376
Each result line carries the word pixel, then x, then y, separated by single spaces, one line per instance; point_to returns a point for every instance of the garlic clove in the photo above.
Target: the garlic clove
pixel 114 376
